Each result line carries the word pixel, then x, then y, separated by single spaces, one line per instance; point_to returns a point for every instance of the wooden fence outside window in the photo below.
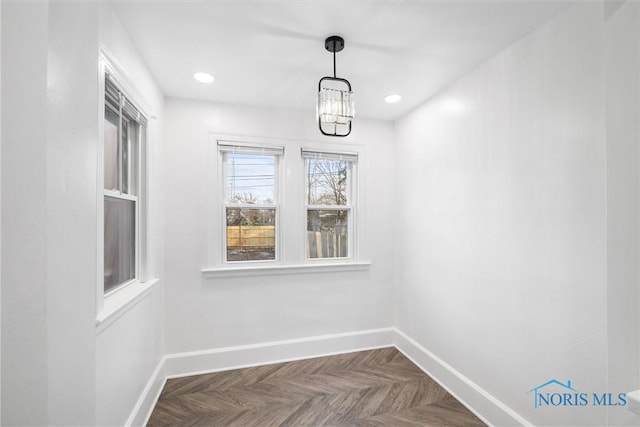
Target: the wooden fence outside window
pixel 320 244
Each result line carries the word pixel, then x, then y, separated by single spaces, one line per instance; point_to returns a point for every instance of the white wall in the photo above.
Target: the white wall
pixel 56 369
pixel 622 84
pixel 129 349
pixel 212 313
pixel 0 213
pixel 502 182
pixel 70 143
pixel 49 137
pixel 24 334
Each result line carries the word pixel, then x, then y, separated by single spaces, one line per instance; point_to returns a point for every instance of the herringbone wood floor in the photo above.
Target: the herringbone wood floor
pixel 369 388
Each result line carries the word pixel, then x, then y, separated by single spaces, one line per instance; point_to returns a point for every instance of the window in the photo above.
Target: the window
pixel 329 204
pixel 277 211
pixel 123 137
pixel 250 203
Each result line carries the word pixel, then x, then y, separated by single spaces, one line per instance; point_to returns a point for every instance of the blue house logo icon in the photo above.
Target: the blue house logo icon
pixel 555 399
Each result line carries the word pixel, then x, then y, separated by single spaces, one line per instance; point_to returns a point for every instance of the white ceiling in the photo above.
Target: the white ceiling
pixel 271 53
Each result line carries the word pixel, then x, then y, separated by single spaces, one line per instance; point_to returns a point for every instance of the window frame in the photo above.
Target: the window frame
pixel 248 146
pixel 107 303
pixel 136 249
pixel 118 194
pixel 351 158
pixel 292 215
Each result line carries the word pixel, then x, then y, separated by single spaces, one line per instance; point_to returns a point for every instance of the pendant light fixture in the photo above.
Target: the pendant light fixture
pixel 335 99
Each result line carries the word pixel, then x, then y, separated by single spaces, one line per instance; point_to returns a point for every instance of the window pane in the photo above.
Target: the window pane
pixel 119 241
pixel 327 233
pixel 251 234
pixel 327 182
pixel 130 157
pixel 251 178
pixel 125 156
pixel 110 149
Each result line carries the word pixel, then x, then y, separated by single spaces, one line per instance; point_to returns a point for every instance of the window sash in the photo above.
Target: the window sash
pixel 117 195
pixel 225 176
pixel 332 242
pixel 349 183
pixel 232 147
pixel 128 182
pixel 276 233
pixel 328 207
pixel 336 244
pixel 135 235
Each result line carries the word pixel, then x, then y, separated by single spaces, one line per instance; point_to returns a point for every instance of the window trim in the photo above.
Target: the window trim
pixel 284 269
pixel 291 233
pixel 351 206
pixel 111 304
pixel 224 146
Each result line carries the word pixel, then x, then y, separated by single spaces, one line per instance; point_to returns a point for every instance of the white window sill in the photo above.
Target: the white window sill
pixel 118 303
pixel 265 270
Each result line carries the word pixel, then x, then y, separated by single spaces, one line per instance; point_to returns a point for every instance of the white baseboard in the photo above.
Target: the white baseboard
pixel 479 401
pixel 486 407
pixel 227 358
pixel 149 397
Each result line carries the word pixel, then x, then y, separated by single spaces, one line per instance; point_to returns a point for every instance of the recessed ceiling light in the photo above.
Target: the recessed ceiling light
pixel 392 99
pixel 204 77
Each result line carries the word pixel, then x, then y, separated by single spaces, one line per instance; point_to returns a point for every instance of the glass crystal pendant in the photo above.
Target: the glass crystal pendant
pixel 336 108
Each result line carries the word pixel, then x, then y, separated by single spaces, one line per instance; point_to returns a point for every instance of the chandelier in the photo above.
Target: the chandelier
pixel 335 98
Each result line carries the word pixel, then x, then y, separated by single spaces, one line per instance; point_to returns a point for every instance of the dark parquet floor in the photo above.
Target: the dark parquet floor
pixel 376 388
